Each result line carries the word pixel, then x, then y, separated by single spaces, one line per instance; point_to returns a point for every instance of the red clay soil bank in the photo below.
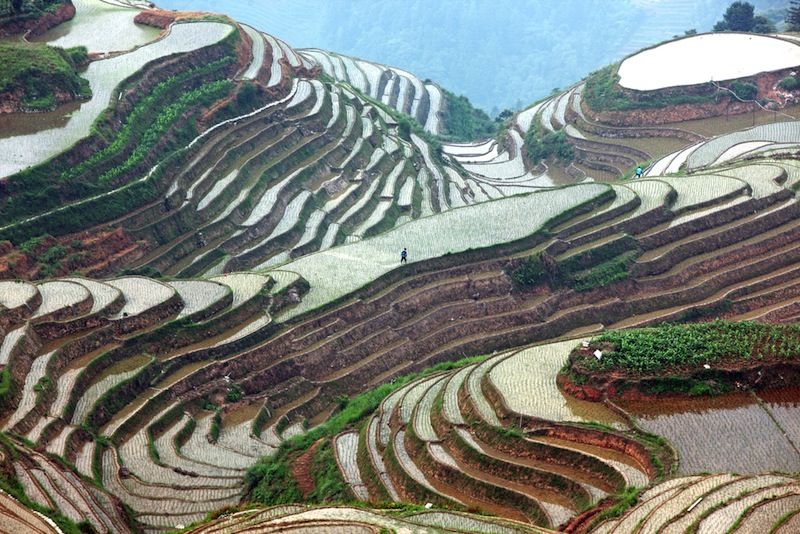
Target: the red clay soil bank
pixel 770 372
pixel 162 18
pixel 94 253
pixel 157 18
pixel 38 26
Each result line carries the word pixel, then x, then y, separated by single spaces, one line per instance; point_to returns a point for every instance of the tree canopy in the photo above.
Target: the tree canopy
pixel 793 16
pixel 741 17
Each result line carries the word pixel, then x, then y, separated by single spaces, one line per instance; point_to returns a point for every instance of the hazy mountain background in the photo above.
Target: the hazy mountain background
pixel 499 53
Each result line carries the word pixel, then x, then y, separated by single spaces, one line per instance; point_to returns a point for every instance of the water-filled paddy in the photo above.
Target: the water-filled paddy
pixel 736 433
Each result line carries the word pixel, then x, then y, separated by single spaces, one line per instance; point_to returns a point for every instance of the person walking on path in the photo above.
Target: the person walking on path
pixel 639 171
pixel 404 255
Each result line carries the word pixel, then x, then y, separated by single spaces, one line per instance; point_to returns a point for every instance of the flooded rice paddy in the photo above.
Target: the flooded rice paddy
pixel 741 432
pixel 16 124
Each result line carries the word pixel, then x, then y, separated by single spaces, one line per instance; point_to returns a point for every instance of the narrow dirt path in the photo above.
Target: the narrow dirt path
pixel 301 470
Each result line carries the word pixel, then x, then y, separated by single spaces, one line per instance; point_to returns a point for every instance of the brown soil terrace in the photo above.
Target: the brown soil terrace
pixel 739 375
pixel 94 253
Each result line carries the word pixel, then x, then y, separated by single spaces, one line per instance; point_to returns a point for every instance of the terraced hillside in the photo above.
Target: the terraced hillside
pixel 456 439
pixel 650 111
pixel 315 166
pixel 713 503
pixel 244 381
pixel 212 254
pixel 298 518
pixel 45 484
pixel 393 87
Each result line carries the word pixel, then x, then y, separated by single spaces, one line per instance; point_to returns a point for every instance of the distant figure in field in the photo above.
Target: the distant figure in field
pixel 639 171
pixel 404 255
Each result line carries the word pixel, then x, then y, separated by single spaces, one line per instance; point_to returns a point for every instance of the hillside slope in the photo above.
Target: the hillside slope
pixel 203 302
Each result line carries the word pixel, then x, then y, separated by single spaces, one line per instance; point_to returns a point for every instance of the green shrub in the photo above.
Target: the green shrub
pixel 42 103
pixel 28 9
pixel 462 121
pixel 53 254
pixel 185 433
pixel 273 483
pixel 510 432
pixel 329 486
pixel 404 128
pixel 151 447
pixel 43 384
pixel 741 17
pixel 601 92
pixel 282 424
pixel 31 244
pixel 216 426
pixel 342 401
pixel 78 55
pixel 39 71
pixel 625 500
pixel 595 256
pixel 6 386
pixel 744 90
pixel 551 145
pixel 234 394
pixel 691 387
pixel 529 272
pixel 604 274
pixel 790 83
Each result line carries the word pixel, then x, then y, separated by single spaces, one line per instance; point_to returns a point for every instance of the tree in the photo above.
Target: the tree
pixel 762 24
pixel 793 16
pixel 744 90
pixel 738 17
pixel 503 115
pixel 790 83
pixel 16 5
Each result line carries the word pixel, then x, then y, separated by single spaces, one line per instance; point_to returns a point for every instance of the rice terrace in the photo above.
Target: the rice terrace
pixel 251 287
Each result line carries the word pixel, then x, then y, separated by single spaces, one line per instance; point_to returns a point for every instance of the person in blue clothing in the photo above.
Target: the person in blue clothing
pixel 404 255
pixel 639 171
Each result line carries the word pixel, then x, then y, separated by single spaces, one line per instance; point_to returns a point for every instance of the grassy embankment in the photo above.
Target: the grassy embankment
pixel 42 76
